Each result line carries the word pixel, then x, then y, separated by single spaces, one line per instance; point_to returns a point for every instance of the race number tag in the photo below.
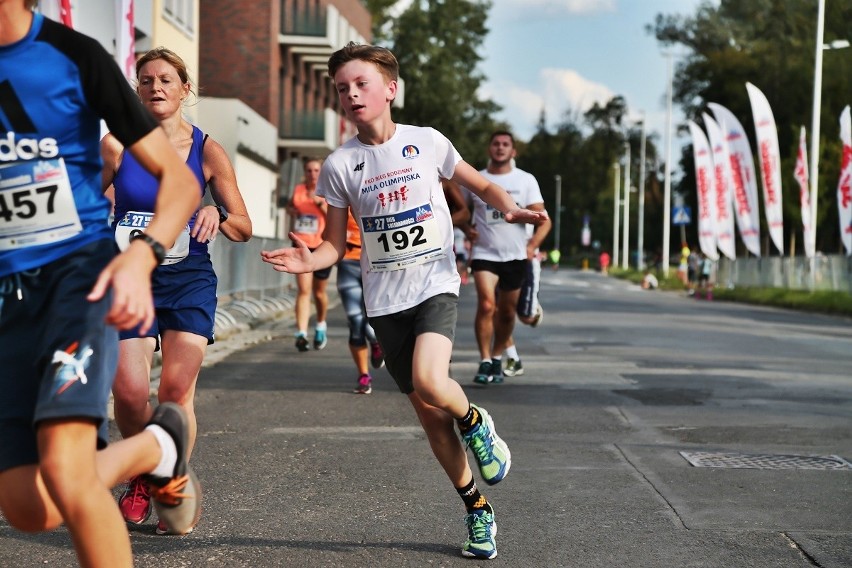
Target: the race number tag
pixel 402 240
pixel 493 216
pixel 135 222
pixel 36 204
pixel 307 224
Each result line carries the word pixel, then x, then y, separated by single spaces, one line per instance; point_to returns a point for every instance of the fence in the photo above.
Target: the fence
pixel 249 290
pixel 797 273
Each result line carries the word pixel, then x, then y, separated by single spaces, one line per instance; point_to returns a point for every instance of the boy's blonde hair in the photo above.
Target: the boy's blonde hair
pixel 378 56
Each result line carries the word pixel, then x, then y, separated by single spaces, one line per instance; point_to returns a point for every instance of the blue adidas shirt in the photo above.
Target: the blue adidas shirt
pixel 55 86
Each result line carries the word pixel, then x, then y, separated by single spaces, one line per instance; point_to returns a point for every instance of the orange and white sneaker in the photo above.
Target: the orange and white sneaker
pixel 177 499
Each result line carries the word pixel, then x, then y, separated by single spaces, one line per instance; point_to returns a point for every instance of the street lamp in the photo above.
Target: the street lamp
pixel 615 211
pixel 820 47
pixel 667 184
pixel 640 243
pixel 625 261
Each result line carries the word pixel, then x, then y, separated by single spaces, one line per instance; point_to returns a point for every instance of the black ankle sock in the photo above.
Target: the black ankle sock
pixel 469 421
pixel 472 498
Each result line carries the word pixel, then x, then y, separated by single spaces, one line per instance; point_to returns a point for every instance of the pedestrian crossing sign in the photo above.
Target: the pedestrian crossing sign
pixel 681 215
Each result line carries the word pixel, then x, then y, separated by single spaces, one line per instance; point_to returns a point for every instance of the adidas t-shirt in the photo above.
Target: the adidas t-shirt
pixel 55 86
pixel 396 196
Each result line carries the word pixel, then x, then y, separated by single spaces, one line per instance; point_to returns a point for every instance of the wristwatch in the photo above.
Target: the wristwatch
pixel 158 249
pixel 223 214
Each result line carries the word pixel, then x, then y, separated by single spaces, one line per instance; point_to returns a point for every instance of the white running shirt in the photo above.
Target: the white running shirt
pixel 498 240
pixel 396 196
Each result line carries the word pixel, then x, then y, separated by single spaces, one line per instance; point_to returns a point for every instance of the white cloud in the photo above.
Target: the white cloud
pixel 556 91
pixel 575 7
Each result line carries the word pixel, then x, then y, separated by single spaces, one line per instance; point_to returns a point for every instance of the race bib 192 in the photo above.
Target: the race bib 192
pixel 402 240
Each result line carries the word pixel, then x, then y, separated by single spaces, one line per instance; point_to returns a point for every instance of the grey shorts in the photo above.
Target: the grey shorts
pixel 398 332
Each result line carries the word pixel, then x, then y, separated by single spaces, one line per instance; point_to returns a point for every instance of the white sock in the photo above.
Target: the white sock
pixel 512 353
pixel 301 333
pixel 486 361
pixel 321 326
pixel 168 458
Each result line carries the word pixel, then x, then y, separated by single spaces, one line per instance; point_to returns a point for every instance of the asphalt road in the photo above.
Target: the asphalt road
pixel 298 471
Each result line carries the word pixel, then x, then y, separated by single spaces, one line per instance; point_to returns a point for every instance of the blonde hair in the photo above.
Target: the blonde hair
pixel 169 57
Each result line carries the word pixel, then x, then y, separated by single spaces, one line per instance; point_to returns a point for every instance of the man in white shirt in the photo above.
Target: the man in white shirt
pixel 500 254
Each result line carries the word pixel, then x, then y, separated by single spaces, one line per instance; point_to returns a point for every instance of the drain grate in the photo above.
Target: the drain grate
pixel 731 460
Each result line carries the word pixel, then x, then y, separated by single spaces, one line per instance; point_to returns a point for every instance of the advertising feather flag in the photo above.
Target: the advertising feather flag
pixel 844 185
pixel 705 192
pixel 125 38
pixel 801 175
pixel 743 178
pixel 770 164
pixel 722 188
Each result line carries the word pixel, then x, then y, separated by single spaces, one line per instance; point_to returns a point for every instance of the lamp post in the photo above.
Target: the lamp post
pixel 556 224
pixel 640 242
pixel 625 254
pixel 820 47
pixel 615 211
pixel 667 184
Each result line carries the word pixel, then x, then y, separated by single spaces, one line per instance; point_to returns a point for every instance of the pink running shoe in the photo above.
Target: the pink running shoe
pixel 135 503
pixel 365 385
pixel 377 356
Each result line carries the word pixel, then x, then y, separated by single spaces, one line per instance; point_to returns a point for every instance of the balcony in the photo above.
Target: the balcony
pixel 312 132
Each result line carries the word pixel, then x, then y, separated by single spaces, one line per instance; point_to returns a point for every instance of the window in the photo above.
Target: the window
pixel 181 13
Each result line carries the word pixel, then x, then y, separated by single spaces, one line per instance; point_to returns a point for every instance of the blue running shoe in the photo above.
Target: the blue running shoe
pixel 301 342
pixel 483 375
pixel 320 339
pixel 481 530
pixel 496 371
pixel 491 452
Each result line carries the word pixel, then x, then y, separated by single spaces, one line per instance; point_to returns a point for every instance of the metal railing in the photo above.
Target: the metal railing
pixel 796 273
pixel 303 124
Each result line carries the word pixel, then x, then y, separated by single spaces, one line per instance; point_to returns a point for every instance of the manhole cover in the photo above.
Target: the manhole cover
pixel 764 461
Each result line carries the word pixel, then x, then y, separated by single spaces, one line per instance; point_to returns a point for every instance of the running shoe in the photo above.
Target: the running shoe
pixel 491 452
pixel 162 529
pixel 135 502
pixel 365 385
pixel 177 499
pixel 481 530
pixel 539 315
pixel 377 356
pixel 496 371
pixel 320 339
pixel 514 368
pixel 301 343
pixel 483 375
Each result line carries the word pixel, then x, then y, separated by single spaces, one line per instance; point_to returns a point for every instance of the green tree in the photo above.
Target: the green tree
pixel 438 45
pixel 769 43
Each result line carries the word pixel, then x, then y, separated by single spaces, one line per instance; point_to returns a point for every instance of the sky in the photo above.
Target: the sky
pixel 564 55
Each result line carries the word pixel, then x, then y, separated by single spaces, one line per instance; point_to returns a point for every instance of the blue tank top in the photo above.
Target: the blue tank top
pixel 136 189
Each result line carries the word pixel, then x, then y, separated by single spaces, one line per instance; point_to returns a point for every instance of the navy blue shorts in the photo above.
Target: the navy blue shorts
pixel 57 355
pixel 184 298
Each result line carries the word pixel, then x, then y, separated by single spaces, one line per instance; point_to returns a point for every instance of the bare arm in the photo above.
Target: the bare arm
pixel 458 207
pixel 495 196
pixel 299 259
pixel 223 187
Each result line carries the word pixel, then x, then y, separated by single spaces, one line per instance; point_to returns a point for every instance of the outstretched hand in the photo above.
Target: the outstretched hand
pixel 293 260
pixel 526 216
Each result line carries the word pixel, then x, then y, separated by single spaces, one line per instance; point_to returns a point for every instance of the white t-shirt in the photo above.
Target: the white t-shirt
pixel 498 240
pixel 395 193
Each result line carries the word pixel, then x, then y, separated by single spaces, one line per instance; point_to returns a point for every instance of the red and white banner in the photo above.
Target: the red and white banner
pixel 58 10
pixel 801 175
pixel 743 178
pixel 844 185
pixel 706 195
pixel 722 188
pixel 125 38
pixel 770 164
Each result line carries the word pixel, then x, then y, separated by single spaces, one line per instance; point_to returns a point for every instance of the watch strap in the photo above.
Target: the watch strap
pixel 156 247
